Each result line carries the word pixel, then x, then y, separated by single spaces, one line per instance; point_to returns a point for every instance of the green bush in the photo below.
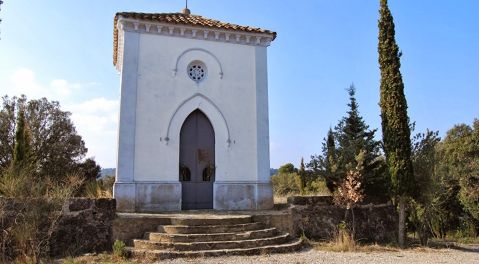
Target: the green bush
pixel 468 228
pixel 119 249
pixel 286 183
pixel 317 187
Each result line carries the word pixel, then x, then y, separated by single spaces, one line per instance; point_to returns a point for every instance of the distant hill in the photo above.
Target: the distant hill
pixel 107 172
pixel 272 171
pixel 112 171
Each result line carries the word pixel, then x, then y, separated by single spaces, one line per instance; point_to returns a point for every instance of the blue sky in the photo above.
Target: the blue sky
pixel 63 50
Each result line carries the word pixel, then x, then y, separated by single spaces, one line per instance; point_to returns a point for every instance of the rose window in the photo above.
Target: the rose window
pixel 197 71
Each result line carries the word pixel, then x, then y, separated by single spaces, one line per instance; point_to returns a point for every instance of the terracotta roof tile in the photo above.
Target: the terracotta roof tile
pixel 181 19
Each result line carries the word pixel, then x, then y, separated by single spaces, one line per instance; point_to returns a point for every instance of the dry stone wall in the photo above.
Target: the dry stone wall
pixel 91 225
pixel 319 218
pixel 85 225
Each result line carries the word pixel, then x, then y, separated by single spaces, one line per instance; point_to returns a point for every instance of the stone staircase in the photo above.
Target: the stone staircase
pixel 213 235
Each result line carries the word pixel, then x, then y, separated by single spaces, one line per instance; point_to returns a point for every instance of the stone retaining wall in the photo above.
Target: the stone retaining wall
pixel 91 225
pixel 84 226
pixel 319 218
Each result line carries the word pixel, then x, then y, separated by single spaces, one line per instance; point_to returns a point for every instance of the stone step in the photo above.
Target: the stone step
pixel 254 234
pixel 209 229
pixel 210 245
pixel 154 255
pixel 212 220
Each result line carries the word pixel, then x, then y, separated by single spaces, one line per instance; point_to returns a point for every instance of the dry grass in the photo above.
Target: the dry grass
pixel 94 189
pixel 343 241
pixel 280 199
pixel 103 258
pixel 335 247
pixel 414 246
pixel 38 204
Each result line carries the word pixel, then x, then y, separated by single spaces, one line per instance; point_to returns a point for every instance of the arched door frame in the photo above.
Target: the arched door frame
pixel 197 171
pixel 217 120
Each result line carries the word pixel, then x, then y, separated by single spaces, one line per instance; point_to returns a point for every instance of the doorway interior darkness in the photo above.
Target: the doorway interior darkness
pixel 197 162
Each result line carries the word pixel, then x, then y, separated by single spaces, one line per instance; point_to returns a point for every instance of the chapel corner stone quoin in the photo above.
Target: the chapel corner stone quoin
pixel 194 129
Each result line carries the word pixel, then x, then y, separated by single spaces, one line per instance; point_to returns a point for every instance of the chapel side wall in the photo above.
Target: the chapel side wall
pixel 124 189
pixel 126 143
pixel 264 190
pixel 262 118
pixel 160 92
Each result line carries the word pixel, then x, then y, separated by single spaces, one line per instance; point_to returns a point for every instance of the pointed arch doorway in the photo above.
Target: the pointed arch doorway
pixel 197 162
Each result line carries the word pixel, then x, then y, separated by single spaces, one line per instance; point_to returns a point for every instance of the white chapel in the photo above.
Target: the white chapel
pixel 194 130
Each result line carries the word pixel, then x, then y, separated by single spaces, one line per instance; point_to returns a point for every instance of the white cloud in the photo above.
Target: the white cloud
pixel 23 81
pixel 94 116
pixel 96 105
pixel 61 87
pixel 95 119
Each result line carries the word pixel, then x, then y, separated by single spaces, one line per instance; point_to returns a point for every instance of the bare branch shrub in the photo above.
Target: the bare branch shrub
pixel 350 192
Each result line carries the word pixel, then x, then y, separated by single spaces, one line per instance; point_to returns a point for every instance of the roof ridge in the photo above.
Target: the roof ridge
pixel 170 13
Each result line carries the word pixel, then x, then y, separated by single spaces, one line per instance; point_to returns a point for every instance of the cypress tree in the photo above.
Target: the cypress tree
pixel 302 176
pixel 395 123
pixel 22 144
pixel 329 153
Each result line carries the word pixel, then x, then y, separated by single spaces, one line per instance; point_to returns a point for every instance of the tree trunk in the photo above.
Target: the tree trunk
pixel 402 216
pixel 353 235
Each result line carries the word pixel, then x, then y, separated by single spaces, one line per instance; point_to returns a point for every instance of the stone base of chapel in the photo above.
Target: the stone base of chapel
pixel 161 196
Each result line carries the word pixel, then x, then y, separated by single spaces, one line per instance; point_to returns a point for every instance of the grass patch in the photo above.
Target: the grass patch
pixel 104 258
pixel 100 258
pixel 119 249
pixel 334 246
pixel 32 215
pixel 278 199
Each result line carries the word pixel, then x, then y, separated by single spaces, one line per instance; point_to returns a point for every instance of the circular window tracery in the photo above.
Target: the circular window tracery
pixel 197 71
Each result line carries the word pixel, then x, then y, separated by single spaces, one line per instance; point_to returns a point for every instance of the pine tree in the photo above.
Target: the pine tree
pixel 350 131
pixel 354 136
pixel 395 123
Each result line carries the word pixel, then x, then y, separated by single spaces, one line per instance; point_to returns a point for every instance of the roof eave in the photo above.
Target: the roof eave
pixel 119 16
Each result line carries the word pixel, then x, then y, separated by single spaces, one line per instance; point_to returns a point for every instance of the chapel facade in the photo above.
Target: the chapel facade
pixel 194 129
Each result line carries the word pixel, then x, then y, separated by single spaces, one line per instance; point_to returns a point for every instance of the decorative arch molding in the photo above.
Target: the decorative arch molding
pixel 175 70
pixel 209 108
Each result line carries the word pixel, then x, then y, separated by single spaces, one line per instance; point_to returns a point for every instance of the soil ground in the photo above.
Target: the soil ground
pixel 468 254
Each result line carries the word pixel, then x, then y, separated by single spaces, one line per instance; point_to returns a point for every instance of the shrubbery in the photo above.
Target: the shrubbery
pixel 285 184
pixel 29 212
pixel 40 168
pixel 446 189
pixel 102 188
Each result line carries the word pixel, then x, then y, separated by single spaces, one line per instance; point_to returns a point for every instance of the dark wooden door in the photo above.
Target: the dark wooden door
pixel 197 162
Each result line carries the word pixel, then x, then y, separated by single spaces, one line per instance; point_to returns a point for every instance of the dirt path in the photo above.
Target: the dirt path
pixel 422 256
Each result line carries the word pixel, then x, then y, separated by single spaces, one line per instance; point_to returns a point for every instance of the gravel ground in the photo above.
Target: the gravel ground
pixel 314 256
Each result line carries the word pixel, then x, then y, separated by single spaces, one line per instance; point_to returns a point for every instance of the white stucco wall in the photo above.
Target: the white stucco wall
pixel 240 96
